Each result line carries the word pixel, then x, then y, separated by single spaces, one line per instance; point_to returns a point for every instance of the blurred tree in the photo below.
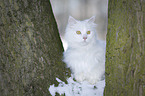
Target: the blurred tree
pixel 30 48
pixel 125 51
pixel 80 10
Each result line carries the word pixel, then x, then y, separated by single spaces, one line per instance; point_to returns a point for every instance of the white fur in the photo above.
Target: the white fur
pixel 85 58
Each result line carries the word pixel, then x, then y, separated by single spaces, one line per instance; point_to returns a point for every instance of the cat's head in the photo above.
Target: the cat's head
pixel 80 32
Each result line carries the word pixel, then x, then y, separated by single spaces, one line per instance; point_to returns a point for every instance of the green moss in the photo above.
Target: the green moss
pixel 16 6
pixel 124 49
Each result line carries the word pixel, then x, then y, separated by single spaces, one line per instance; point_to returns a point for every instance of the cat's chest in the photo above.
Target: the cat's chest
pixel 82 55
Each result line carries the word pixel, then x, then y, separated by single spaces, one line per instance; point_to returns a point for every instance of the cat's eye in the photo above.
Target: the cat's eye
pixel 88 32
pixel 78 32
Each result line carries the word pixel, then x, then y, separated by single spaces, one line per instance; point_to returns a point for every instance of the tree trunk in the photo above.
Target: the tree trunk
pixel 125 51
pixel 30 48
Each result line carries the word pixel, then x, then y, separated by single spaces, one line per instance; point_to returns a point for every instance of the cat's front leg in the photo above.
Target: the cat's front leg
pixel 79 76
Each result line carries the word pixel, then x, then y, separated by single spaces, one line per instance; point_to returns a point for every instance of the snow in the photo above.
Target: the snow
pixel 74 88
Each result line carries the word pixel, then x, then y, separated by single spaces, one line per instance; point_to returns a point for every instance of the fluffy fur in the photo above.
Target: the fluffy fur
pixel 85 57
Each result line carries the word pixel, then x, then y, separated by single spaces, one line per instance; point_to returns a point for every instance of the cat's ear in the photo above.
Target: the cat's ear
pixel 91 20
pixel 71 20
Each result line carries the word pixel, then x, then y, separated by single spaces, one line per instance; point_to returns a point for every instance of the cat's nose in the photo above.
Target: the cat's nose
pixel 84 38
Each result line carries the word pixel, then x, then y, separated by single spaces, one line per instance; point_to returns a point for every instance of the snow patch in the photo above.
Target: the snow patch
pixel 74 88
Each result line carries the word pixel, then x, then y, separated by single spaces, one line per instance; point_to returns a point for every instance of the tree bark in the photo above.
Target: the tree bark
pixel 125 50
pixel 30 48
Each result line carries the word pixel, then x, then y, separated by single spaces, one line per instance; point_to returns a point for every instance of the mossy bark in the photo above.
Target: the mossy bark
pixel 125 50
pixel 30 48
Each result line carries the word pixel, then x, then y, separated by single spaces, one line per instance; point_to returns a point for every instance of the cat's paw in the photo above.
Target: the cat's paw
pixel 80 77
pixel 93 79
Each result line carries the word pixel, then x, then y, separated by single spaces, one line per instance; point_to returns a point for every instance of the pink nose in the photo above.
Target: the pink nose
pixel 84 38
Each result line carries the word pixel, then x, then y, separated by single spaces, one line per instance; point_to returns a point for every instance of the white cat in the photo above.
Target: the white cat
pixel 85 55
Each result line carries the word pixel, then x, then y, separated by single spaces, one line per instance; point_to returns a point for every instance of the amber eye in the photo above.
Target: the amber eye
pixel 88 32
pixel 78 32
